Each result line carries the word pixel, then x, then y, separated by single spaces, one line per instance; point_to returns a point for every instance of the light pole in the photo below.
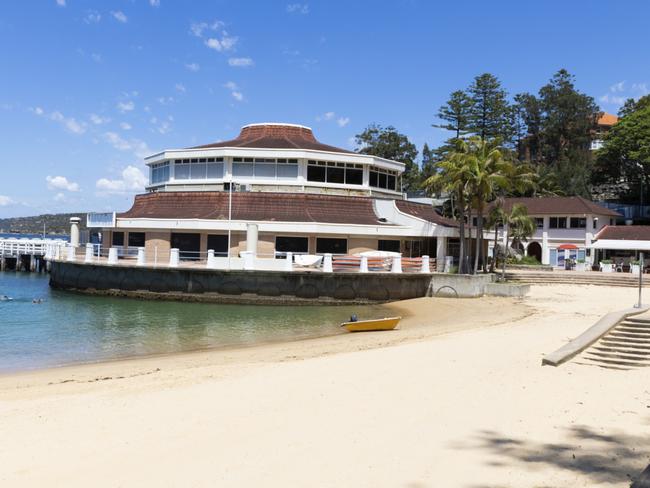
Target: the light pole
pixel 638 305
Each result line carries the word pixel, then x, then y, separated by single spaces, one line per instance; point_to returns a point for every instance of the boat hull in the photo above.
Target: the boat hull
pixel 388 323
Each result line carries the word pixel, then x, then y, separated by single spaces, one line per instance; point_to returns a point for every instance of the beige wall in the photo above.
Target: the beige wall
pixel 159 240
pixel 361 244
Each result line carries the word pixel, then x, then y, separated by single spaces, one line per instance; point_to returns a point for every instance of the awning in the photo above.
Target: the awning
pixel 567 246
pixel 621 244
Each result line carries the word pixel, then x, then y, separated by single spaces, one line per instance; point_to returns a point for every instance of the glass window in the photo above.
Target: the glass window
pixel 578 223
pixel 136 239
pixel 117 239
pixel 388 245
pixel 539 222
pixel 242 169
pixel 391 181
pixel 381 180
pixel 354 176
pixel 265 170
pixel 198 171
pixel 182 171
pixel 188 245
pixel 315 173
pixel 557 222
pixel 374 179
pixel 331 245
pixel 219 244
pixel 291 244
pixel 215 170
pixel 335 175
pixel 286 171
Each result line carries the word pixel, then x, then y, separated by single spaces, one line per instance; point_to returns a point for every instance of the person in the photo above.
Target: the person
pixel 353 317
pixel 5 298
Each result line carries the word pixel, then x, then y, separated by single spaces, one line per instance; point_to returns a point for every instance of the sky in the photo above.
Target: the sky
pixel 89 88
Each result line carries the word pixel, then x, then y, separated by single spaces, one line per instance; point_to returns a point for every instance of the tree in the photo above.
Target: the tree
pixel 456 112
pixel 519 226
pixel 389 144
pixel 528 126
pixel 453 177
pixel 490 115
pixel 625 154
pixel 429 162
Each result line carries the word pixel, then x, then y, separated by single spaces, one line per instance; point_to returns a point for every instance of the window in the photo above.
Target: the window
pixel 198 168
pixel 118 239
pixel 159 173
pixel 265 168
pixel 182 169
pixel 215 168
pixel 383 178
pixel 557 223
pixel 539 222
pixel 330 245
pixel 188 245
pixel 388 245
pixel 136 239
pixel 578 223
pixel 292 244
pixel 333 172
pixel 219 244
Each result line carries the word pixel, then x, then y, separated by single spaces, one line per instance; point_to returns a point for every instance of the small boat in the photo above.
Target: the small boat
pixel 388 323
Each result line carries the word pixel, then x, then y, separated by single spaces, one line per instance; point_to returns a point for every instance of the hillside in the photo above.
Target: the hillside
pixel 54 224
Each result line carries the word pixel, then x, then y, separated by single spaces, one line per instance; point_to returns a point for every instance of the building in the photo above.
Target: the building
pixel 274 189
pixel 604 123
pixel 565 228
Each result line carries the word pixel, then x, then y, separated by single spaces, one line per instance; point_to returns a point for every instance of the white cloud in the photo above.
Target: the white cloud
pixel 70 123
pixel 217 38
pixel 92 17
pixel 139 148
pixel 61 183
pixel 329 115
pixel 60 3
pixel 240 62
pixel 193 67
pixel 298 8
pixel 180 87
pixel 617 87
pixel 165 100
pixel 5 200
pixel 640 88
pixel 59 197
pixel 612 99
pixel 133 179
pixel 119 16
pixel 198 28
pixel 226 43
pixel 162 126
pixel 154 3
pixel 127 106
pixel 343 121
pixel 234 91
pixel 125 126
pixel 98 119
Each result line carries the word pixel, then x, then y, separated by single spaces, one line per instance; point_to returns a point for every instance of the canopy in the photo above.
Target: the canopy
pixel 567 246
pixel 621 244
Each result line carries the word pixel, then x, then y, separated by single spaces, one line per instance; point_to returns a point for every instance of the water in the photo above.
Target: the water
pixel 69 328
pixel 33 236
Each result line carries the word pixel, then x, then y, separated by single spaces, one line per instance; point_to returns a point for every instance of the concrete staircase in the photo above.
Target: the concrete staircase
pixel 576 278
pixel 626 346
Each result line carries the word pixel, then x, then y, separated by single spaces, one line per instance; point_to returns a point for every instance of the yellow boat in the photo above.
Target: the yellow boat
pixel 388 323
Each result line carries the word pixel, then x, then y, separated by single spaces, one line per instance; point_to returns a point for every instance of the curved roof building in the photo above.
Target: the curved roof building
pixel 301 196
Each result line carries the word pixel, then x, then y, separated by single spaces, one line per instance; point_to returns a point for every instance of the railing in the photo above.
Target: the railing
pixel 13 247
pixel 175 258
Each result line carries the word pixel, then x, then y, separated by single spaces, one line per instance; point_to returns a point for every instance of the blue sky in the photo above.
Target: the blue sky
pixel 88 88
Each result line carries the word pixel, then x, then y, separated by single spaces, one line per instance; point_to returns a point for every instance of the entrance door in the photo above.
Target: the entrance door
pixel 189 245
pixel 535 250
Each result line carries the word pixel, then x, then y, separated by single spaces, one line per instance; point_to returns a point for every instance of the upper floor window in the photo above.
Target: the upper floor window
pixel 265 168
pixel 383 178
pixel 539 222
pixel 198 168
pixel 578 222
pixel 557 223
pixel 332 172
pixel 159 173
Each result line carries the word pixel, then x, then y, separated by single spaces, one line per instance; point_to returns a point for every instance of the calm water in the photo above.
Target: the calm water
pixel 69 328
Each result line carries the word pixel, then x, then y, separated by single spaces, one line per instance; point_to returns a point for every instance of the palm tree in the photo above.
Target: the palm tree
pixel 496 218
pixel 453 177
pixel 519 226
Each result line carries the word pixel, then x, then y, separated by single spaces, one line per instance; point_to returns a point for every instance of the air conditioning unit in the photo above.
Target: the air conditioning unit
pixel 243 188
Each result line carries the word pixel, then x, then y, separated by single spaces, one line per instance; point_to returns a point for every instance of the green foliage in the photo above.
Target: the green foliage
pixel 528 260
pixel 386 142
pixel 54 223
pixel 429 162
pixel 490 115
pixel 457 113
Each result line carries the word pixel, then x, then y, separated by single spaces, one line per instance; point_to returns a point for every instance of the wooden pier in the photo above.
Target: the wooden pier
pixel 27 254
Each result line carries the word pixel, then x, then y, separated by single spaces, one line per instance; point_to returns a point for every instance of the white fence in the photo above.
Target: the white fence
pixel 14 247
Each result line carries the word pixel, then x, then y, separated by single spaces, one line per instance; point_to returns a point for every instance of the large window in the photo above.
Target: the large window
pixel 136 239
pixel 578 223
pixel 292 244
pixel 388 245
pixel 159 172
pixel 218 243
pixel 118 239
pixel 265 168
pixel 330 245
pixel 383 178
pixel 557 223
pixel 198 168
pixel 188 245
pixel 332 172
pixel 539 222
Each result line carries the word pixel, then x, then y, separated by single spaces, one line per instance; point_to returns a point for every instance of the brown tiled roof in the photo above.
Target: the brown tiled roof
pixel 559 206
pixel 627 232
pixel 275 136
pixel 607 119
pixel 254 206
pixel 424 212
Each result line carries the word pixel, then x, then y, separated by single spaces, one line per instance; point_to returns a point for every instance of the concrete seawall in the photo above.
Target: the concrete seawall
pixel 260 287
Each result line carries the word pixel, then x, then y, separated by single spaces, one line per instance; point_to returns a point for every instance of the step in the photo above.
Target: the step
pixel 636 325
pixel 633 330
pixel 623 346
pixel 618 355
pixel 605 366
pixel 618 362
pixel 636 320
pixel 631 335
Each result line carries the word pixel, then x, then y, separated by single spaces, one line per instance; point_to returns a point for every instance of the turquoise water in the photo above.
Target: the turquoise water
pixel 70 328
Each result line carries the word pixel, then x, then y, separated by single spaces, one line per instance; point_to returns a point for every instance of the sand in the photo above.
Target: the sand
pixel 456 398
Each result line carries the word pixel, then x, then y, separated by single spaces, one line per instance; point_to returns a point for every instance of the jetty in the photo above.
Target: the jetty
pixel 28 254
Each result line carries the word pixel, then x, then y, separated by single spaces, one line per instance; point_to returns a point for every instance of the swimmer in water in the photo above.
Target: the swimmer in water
pixel 5 298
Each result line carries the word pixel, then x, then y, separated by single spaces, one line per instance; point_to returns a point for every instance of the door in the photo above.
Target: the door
pixel 189 245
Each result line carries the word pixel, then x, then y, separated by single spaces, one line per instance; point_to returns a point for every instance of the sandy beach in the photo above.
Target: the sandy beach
pixel 456 398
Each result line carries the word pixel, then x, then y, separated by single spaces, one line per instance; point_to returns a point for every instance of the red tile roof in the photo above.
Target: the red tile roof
pixel 275 136
pixel 559 206
pixel 625 232
pixel 425 212
pixel 254 206
pixel 607 119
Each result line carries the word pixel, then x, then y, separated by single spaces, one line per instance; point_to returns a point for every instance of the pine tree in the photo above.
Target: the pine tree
pixel 490 115
pixel 456 113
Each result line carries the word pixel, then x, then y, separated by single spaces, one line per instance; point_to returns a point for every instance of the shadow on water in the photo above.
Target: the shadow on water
pixel 67 328
pixel 616 458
